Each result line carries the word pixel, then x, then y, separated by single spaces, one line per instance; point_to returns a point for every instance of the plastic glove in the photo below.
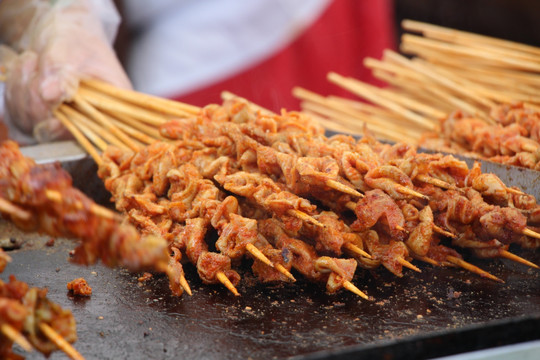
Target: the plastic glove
pixel 63 43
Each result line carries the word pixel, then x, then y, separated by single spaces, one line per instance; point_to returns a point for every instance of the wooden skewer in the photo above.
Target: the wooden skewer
pixel 470 267
pixel 13 210
pixel 368 93
pixel 305 217
pixel 155 103
pixel 89 133
pixel 357 250
pixel 441 231
pixel 434 181
pixel 406 191
pixel 459 50
pixel 185 285
pixel 515 191
pixel 59 341
pixel 228 284
pixel 284 271
pixel 79 136
pixel 136 134
pixel 400 228
pixel 529 148
pixel 12 334
pixel 149 130
pixel 351 205
pixel 352 288
pixel 111 106
pixel 96 209
pixel 508 255
pixel 448 34
pixel 166 269
pixel 336 185
pixel 93 113
pixel 407 264
pixel 427 260
pixel 80 119
pixel 252 249
pixel 529 232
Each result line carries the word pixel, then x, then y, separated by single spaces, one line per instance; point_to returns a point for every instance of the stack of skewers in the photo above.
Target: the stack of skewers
pixel 459 92
pixel 236 182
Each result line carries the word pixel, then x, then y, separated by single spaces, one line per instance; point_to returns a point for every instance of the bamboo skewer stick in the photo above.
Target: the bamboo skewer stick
pixel 352 288
pixel 228 284
pixel 459 50
pixel 284 271
pixel 105 103
pixel 78 119
pixel 336 185
pixel 529 232
pixel 357 250
pixel 452 35
pixel 155 103
pixel 470 267
pixel 91 111
pixel 15 336
pixel 407 264
pixel 90 134
pixel 369 92
pixel 334 106
pixel 149 130
pixel 426 259
pixel 252 249
pixel 96 209
pixel 351 124
pixel 305 217
pixel 59 341
pixel 134 133
pixel 508 255
pixel 79 136
pixel 13 210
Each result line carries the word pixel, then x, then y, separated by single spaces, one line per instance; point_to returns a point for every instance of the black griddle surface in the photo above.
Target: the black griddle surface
pixel 439 312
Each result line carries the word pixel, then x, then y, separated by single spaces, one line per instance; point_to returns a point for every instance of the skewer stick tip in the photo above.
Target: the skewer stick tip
pixel 59 341
pixel 285 272
pixel 508 255
pixel 228 284
pixel 336 185
pixel 257 254
pixel 406 191
pixel 357 250
pixel 352 288
pixel 12 334
pixel 441 231
pixel 185 285
pixel 305 217
pixel 427 260
pixel 407 264
pixel 472 268
pixel 531 233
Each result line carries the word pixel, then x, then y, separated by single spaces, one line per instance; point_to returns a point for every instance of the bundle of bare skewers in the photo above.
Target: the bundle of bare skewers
pixel 459 92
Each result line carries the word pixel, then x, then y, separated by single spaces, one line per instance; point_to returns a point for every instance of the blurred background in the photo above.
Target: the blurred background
pixel 335 36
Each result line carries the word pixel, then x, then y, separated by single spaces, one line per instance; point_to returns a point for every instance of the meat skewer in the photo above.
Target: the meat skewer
pixel 28 317
pixel 71 214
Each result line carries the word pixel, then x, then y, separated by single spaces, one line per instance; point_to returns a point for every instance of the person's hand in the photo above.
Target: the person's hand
pixel 63 44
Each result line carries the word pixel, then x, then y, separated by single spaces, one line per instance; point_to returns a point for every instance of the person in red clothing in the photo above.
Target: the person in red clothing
pixel 257 49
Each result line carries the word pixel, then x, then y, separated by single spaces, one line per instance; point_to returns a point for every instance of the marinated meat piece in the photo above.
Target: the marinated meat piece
pixel 79 287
